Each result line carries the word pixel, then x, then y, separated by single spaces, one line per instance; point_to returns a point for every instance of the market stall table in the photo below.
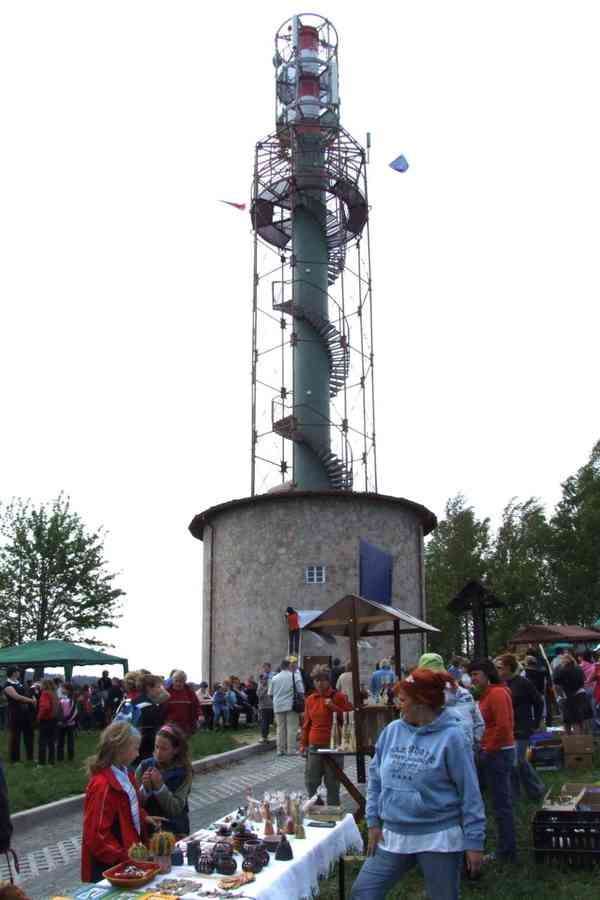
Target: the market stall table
pixel 297 879
pixel 329 758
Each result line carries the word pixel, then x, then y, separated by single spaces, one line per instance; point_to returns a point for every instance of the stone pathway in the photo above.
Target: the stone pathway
pixel 50 853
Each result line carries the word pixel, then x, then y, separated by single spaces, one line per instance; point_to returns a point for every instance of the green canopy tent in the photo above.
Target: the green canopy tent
pixel 37 654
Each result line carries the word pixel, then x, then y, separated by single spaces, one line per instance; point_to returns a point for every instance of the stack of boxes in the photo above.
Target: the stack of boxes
pixel 551 750
pixel 578 750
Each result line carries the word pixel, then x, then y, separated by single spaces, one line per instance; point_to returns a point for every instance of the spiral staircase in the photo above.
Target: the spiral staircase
pixel 341 216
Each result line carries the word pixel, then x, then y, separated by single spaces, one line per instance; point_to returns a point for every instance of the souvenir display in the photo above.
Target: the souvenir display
pixel 267 814
pixel 225 865
pixel 271 842
pixel 139 851
pixel 161 845
pixel 193 852
pixel 231 884
pixel 284 851
pixel 206 864
pixel 223 857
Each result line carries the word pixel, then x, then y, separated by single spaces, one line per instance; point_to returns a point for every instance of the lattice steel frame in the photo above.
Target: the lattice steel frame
pixel 352 419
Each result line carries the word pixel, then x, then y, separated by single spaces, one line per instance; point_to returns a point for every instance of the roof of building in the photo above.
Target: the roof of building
pixel 548 634
pixel 199 522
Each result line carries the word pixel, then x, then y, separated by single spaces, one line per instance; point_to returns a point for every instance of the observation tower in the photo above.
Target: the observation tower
pixel 314 491
pixel 313 423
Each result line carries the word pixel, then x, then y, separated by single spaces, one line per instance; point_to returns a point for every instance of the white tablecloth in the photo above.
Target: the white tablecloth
pixel 294 880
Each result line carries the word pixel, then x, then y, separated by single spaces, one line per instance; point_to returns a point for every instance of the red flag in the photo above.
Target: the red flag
pixel 241 206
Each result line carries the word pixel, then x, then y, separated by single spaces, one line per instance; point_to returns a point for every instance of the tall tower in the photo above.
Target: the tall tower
pixel 314 495
pixel 312 354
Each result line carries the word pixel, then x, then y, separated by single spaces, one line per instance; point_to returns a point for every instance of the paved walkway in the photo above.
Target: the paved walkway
pixel 50 853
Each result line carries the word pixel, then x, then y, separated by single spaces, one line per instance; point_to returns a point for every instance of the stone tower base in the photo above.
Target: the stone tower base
pixel 256 554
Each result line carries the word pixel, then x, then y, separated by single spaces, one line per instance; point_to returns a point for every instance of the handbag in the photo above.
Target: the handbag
pixel 298 699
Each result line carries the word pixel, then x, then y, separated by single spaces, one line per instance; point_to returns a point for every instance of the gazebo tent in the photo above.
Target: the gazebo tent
pixel 37 654
pixel 551 634
pixel 356 618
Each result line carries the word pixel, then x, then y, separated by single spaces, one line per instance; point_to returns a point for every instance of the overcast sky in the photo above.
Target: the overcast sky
pixel 125 287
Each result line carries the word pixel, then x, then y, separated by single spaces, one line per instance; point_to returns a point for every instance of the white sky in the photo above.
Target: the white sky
pixel 125 287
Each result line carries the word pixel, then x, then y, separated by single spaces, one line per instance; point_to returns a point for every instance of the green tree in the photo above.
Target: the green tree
pixel 54 582
pixel 518 570
pixel 576 547
pixel 455 554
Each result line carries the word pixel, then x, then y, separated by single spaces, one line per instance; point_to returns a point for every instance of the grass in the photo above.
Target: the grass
pixel 30 786
pixel 525 880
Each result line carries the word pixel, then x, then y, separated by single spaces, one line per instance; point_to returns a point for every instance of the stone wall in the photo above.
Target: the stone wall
pixel 255 555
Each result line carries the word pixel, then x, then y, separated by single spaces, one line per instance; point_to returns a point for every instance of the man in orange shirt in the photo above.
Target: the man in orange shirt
pixel 319 711
pixel 293 624
pixel 498 755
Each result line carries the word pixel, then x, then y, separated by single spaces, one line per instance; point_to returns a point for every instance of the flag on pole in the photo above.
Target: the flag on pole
pixel 400 164
pixel 241 206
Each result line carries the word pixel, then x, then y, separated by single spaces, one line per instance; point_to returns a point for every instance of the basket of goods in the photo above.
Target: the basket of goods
pixel 131 874
pixel 161 845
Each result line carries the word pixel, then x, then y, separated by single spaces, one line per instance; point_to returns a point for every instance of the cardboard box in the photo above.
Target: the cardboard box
pixel 578 760
pixel 578 743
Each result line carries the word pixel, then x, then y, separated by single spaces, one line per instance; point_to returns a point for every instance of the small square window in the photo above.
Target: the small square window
pixel 314 575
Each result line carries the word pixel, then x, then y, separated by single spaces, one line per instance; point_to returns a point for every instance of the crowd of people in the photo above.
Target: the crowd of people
pixel 463 730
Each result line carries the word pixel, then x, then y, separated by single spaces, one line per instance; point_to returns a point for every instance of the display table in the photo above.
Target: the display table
pixel 297 879
pixel 329 758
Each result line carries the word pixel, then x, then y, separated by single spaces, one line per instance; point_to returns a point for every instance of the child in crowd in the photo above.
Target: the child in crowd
pixel 220 707
pixel 113 816
pixel 67 724
pixel 166 779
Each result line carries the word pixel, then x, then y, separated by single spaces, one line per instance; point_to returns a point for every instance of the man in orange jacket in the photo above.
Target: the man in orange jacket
pixel 319 711
pixel 498 755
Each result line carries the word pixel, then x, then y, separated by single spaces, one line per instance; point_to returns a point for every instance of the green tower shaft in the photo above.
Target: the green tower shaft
pixel 309 298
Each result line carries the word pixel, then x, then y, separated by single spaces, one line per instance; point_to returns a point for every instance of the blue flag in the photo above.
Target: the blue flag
pixel 400 164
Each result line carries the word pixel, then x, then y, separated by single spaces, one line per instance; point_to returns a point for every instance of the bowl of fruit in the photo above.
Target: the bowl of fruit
pixel 131 874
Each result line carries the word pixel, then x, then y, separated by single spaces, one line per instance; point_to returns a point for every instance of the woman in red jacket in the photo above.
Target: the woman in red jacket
pixel 183 707
pixel 113 817
pixel 47 719
pixel 319 711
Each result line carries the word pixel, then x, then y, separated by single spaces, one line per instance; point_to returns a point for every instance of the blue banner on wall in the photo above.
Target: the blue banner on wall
pixel 375 573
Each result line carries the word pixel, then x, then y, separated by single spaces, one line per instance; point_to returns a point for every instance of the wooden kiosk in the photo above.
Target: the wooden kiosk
pixel 358 618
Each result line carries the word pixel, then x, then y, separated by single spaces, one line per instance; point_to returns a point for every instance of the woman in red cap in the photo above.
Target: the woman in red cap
pixel 423 801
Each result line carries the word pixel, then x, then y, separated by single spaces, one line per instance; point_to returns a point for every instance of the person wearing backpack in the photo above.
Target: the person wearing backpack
pixel 142 709
pixel 47 719
pixel 67 724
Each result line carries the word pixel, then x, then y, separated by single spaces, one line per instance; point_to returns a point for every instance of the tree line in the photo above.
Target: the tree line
pixel 546 569
pixel 54 579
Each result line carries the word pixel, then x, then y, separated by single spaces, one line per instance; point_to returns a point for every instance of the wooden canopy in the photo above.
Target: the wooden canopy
pixel 356 617
pixel 549 634
pixel 339 618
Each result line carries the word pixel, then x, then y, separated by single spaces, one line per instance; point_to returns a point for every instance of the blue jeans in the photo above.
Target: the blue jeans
pixel 524 774
pixel 381 872
pixel 497 769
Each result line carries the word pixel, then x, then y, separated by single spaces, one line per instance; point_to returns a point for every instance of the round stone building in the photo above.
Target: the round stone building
pixel 300 549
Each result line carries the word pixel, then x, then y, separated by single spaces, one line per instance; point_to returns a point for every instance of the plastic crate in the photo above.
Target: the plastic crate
pixel 569 837
pixel 550 758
